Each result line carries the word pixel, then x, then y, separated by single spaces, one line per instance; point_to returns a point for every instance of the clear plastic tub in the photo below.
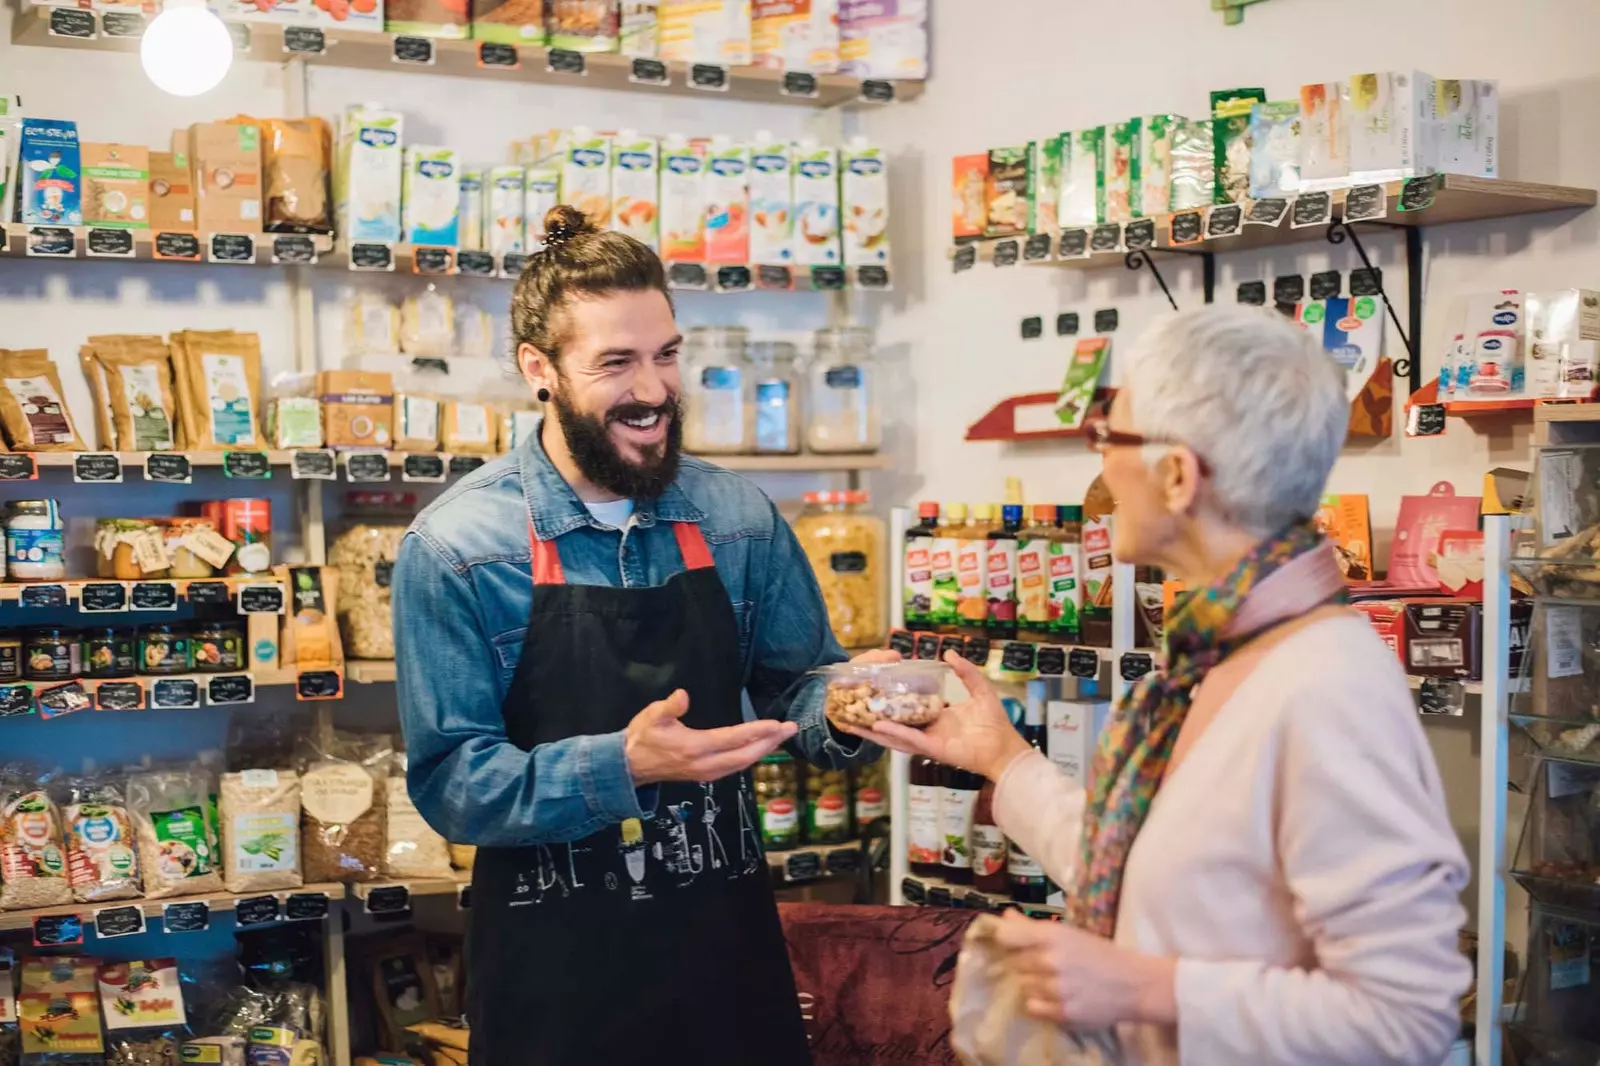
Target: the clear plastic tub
pixel 859 694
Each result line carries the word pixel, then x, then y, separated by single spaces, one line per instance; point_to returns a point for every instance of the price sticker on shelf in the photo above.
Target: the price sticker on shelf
pixel 305 907
pixel 369 256
pixel 103 597
pixel 913 891
pixel 423 468
pixel 228 689
pixel 1135 664
pixel 1139 235
pixel 1252 293
pixel 261 599
pixel 1224 220
pixel 1442 696
pixel 802 866
pixel 1418 194
pixel 169 468
pixel 71 22
pixel 125 24
pixel 1032 328
pixel 774 278
pixel 687 276
pixel 247 466
pixel 1366 281
pixel 119 696
pixel 1326 284
pixel 1067 324
pixel 871 277
pixel 1426 420
pixel 63 699
pixel 414 51
pixel 1312 209
pixel 904 642
pixel 52 242
pixel 389 899
pixel 432 262
pixel 16 700
pixel 566 61
pixel 1106 238
pixel 1288 289
pixel 1366 203
pixel 644 71
pixel 57 930
pixel 974 649
pixel 304 41
pixel 1268 212
pixel 43 596
pixel 1187 227
pixel 733 279
pixel 958 645
pixel 17 466
pixel 462 465
pixel 1074 244
pixel 1005 253
pixel 1037 248
pixel 1083 663
pixel 257 910
pixel 1105 320
pixel 708 77
pixel 98 468
pixel 927 646
pixel 363 468
pixel 875 91
pixel 1050 661
pixel 319 685
pixel 799 83
pixel 494 55
pixel 463 897
pixel 294 249
pixel 1018 657
pixel 209 593
pixel 474 264
pixel 238 249
pixel 174 693
pixel 321 465
pixel 112 922
pixel 177 247
pixel 964 259
pixel 188 917
pixel 103 243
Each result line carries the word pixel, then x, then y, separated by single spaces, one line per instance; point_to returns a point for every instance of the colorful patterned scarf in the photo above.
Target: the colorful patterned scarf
pixel 1136 744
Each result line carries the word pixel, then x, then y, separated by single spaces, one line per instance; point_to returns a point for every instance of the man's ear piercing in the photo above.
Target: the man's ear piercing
pixel 544 395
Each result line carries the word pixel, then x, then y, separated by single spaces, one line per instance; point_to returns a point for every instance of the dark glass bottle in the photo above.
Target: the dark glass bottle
pixel 924 839
pixel 957 803
pixel 1028 881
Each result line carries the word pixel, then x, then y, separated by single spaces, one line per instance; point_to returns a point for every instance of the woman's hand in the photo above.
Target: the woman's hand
pixel 1086 981
pixel 974 735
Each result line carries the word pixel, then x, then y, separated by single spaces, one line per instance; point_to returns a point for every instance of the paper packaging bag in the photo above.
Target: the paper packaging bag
pixel 171 192
pixel 218 374
pixel 131 380
pixel 357 408
pixel 32 407
pixel 226 157
pixel 1423 521
pixel 116 185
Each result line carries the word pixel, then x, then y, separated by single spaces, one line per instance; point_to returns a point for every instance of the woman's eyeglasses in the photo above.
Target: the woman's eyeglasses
pixel 1099 435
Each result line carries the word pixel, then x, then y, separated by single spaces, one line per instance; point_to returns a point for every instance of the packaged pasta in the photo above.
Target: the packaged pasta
pixel 427 324
pixel 33 853
pixel 475 332
pixel 342 800
pixel 102 862
pixel 219 388
pixel 259 823
pixel 365 555
pixel 416 423
pixel 412 847
pixel 294 414
pixel 33 409
pixel 371 324
pixel 130 378
pixel 468 428
pixel 296 153
pixel 172 815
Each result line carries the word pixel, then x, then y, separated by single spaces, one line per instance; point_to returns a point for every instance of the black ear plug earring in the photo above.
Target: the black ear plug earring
pixel 544 395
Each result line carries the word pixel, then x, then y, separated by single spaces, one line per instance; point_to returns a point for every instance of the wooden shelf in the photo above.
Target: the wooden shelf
pixel 965 897
pixel 14 242
pixel 135 460
pixel 421 886
pixel 1578 411
pixel 1032 417
pixel 369 671
pixel 1460 199
pixel 368 50
pixel 798 464
pixel 216 901
pixel 11 591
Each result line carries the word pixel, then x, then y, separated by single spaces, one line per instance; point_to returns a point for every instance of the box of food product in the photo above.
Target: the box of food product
pixel 771 202
pixel 503 218
pixel 1324 135
pixel 1044 199
pixel 585 162
pixel 1351 331
pixel 683 201
pixel 1274 149
pixel 1466 114
pixel 431 200
pixel 1562 343
pixel 470 211
pixel 1083 198
pixel 116 185
pixel 508 21
pixel 49 173
pixel 226 157
pixel 641 28
pixel 864 203
pixel 1153 163
pixel 368 175
pixel 365 15
pixel 705 31
pixel 1393 133
pixel 1230 127
pixel 541 190
pixel 884 39
pixel 1072 729
pixel 262 632
pixel 1194 165
pixel 816 205
pixel 1344 518
pixel 449 19
pixel 1388 618
pixel 357 408
pixel 582 25
pixel 1008 190
pixel 1493 366
pixel 1444 638
pixel 969 204
pixel 416 422
pixel 635 187
pixel 796 35
pixel 1120 175
pixel 727 195
pixel 171 192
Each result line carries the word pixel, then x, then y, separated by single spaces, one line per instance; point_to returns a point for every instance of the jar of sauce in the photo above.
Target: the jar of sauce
pixel 777 785
pixel 10 657
pixel 827 806
pixel 50 653
pixel 163 649
pixel 217 647
pixel 35 543
pixel 108 652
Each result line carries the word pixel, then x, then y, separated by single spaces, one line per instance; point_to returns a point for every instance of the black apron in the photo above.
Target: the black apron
pixel 644 941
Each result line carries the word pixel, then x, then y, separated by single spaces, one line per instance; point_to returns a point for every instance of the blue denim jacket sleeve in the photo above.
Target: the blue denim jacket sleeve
pixel 466 778
pixel 792 637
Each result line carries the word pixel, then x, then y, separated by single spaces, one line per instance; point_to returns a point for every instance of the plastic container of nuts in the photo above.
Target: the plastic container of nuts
pixel 859 694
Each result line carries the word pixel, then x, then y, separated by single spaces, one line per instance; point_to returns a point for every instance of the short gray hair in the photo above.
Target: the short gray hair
pixel 1253 394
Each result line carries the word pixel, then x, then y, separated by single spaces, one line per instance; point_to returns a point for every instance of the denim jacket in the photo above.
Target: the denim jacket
pixel 462 590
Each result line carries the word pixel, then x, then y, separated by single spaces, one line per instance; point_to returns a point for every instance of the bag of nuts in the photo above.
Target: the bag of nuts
pixel 342 802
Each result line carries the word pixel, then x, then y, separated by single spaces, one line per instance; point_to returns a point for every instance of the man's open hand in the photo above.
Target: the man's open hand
pixel 661 748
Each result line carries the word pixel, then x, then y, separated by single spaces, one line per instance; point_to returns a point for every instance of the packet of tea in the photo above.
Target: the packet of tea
pixel 218 375
pixel 310 632
pixel 131 377
pixel 32 408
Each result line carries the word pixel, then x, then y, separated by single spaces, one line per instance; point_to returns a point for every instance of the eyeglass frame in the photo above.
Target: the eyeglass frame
pixel 1098 435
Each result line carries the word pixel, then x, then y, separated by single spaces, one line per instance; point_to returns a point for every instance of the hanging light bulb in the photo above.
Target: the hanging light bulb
pixel 186 50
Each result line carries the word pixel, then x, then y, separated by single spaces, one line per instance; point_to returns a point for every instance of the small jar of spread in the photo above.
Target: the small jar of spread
pixel 217 647
pixel 10 657
pixel 107 652
pixel 163 649
pixel 50 653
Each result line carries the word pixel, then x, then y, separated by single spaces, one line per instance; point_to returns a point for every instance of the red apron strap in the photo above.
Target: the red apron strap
pixel 546 561
pixel 692 543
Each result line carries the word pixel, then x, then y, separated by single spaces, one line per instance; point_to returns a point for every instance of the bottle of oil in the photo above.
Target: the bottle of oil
pixel 918 569
pixel 1000 567
pixel 972 603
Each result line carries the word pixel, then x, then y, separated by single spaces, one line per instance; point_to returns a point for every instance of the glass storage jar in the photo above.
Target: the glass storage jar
pixel 50 653
pixel 844 545
pixel 114 540
pixel 107 652
pixel 842 394
pixel 716 395
pixel 34 541
pixel 776 398
pixel 163 649
pixel 185 563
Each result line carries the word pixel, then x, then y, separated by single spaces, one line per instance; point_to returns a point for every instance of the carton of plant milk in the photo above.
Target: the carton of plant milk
pixel 796 35
pixel 635 181
pixel 816 205
pixel 432 196
pixel 683 201
pixel 1324 135
pixel 1467 119
pixel 771 202
pixel 727 202
pixel 586 173
pixel 504 215
pixel 1393 133
pixel 469 214
pixel 541 190
pixel 864 203
pixel 367 174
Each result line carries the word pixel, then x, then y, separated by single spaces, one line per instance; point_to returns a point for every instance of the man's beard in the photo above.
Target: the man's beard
pixel 598 458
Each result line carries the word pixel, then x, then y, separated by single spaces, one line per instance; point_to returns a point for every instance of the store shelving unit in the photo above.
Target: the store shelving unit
pixel 920 891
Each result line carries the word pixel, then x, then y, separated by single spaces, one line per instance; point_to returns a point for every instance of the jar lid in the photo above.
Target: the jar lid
pixel 45 508
pixel 1044 512
pixel 46 633
pixel 833 496
pixel 777 757
pixel 159 630
pixel 928 509
pixel 99 633
pixel 1069 512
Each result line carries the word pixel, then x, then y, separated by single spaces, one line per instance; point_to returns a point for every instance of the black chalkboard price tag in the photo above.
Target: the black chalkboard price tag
pixel 119 696
pixel 417 51
pixel 261 599
pixel 565 61
pixel 927 646
pixel 512 264
pixel 230 689
pixel 122 24
pixel 1032 328
pixel 1074 244
pixel 734 279
pixel 1425 420
pixel 247 466
pixel 208 593
pixel 1006 253
pixel 1135 664
pixel 914 891
pixel 63 699
pixel 876 91
pixel 1224 220
pixel 966 258
pixel 53 242
pixel 17 466
pixel 304 41
pixel 112 922
pixel 369 256
pixel 319 465
pixel 1107 238
pixel 1139 235
pixel 1105 320
pixel 168 467
pixel 1418 194
pixel 294 248
pixel 1366 203
pixel 366 467
pixel 939 896
pixel 1017 657
pixel 57 930
pixel 645 71
pixel 103 243
pixel 475 264
pixel 974 649
pixel 175 693
pixel 463 897
pixel 1366 281
pixel 182 247
pixel 235 248
pixel 492 54
pixel 709 77
pixel 1253 293
pixel 875 278
pixel 71 22
pixel 1312 209
pixel 802 866
pixel 433 261
pixel 1036 249
pixel 318 685
pixel 1187 227
pixel 798 83
pixel 1083 663
pixel 423 468
pixel 1326 284
pixel 98 468
pixel 1288 289
pixel 903 641
pixel 43 596
pixel 100 597
pixel 16 700
pixel 306 907
pixel 687 276
pixel 827 279
pixel 1067 324
pixel 957 645
pixel 257 910
pixel 1268 212
pixel 1442 696
pixel 462 465
pixel 194 917
pixel 1050 661
pixel 390 899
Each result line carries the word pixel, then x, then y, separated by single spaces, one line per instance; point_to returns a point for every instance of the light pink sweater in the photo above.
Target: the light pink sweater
pixel 1298 863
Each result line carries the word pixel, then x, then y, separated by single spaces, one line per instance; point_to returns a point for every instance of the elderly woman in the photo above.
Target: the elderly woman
pixel 1262 871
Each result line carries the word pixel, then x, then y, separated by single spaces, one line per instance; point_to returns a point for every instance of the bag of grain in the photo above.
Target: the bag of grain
pixel 259 812
pixel 413 848
pixel 171 812
pixel 33 852
pixel 102 862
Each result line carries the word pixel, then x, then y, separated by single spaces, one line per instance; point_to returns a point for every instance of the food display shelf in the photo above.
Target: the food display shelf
pixel 922 891
pixel 12 591
pixel 153 908
pixel 811 862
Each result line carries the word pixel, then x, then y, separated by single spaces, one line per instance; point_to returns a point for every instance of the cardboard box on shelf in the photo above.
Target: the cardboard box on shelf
pixel 262 632
pixel 226 161
pixel 172 205
pixel 1073 728
pixel 1388 619
pixel 1444 638
pixel 357 408
pixel 116 185
pixel 1562 343
pixel 1393 132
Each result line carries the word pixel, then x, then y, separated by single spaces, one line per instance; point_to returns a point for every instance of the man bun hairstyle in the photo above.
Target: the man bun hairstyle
pixel 579 260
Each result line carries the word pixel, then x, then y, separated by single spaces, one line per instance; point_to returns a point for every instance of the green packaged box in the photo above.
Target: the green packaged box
pixel 1194 165
pixel 1009 191
pixel 1230 120
pixel 1120 171
pixel 1082 201
pixel 1043 208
